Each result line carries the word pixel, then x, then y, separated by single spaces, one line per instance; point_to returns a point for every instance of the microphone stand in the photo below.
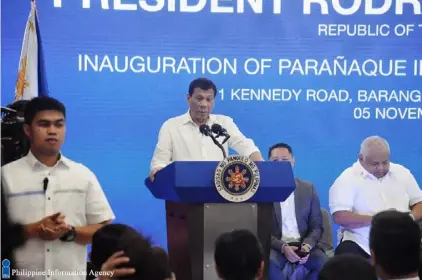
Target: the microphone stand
pixel 218 144
pixel 225 139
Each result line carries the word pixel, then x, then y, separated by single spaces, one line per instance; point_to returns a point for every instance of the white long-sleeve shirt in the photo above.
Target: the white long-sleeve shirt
pixel 179 139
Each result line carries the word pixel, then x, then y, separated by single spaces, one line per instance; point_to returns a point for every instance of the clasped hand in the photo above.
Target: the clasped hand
pixel 291 256
pixel 52 227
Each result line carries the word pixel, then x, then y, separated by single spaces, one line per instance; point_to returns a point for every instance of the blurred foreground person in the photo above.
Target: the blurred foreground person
pixel 238 255
pixel 347 267
pixel 395 240
pixel 120 252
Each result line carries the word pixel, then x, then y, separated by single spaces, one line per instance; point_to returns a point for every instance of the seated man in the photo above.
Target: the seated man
pixel 371 185
pixel 298 219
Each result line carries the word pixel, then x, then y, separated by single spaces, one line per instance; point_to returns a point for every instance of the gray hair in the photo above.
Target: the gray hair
pixel 373 142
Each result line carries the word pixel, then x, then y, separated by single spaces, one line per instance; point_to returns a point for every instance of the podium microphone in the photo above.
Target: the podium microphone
pixel 206 130
pixel 220 131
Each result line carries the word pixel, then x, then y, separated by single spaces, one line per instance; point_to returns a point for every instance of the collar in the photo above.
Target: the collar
pixel 187 118
pixel 35 163
pixel 364 173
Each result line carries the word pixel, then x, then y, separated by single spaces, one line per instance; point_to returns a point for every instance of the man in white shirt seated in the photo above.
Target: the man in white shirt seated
pixel 297 225
pixel 369 186
pixel 394 241
pixel 180 139
pixel 60 202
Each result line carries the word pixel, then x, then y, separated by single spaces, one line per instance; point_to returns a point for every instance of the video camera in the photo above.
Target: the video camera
pixel 14 143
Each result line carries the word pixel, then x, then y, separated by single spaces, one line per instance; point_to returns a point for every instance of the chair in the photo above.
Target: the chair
pixel 327 239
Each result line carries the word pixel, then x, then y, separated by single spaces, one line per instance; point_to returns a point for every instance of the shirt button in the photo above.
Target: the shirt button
pixel 49 198
pixel 48 250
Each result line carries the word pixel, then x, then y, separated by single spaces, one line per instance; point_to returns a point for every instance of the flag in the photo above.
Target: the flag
pixel 31 80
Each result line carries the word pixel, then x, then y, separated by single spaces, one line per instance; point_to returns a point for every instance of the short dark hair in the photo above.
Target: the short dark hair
pixel 395 239
pixel 238 255
pixel 39 104
pixel 143 257
pixel 280 146
pixel 202 83
pixel 347 267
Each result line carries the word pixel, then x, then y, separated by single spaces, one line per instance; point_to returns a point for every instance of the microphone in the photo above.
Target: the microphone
pixel 220 131
pixel 45 184
pixel 206 130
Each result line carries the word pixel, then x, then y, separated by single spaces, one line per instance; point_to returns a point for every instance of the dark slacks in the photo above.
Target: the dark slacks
pixel 350 247
pixel 316 260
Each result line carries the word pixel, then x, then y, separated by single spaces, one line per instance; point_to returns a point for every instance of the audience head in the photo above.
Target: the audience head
pixel 374 156
pixel 148 262
pixel 347 267
pixel 238 255
pixel 281 152
pixel 45 125
pixel 394 241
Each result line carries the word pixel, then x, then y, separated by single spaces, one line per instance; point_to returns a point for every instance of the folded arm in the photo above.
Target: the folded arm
pixel 341 196
pixel 350 220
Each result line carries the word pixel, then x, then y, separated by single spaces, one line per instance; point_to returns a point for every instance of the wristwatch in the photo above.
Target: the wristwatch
pixel 69 236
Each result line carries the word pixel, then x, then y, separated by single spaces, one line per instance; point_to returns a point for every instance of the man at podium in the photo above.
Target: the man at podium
pixel 185 138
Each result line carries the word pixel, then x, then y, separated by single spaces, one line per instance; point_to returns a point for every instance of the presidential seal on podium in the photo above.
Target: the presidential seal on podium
pixel 237 178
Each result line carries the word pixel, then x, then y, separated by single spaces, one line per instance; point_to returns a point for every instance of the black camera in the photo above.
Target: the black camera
pixel 14 143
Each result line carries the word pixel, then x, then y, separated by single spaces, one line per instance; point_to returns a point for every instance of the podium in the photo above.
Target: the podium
pixel 196 214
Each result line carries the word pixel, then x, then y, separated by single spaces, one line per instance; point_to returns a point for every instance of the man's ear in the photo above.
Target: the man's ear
pixel 360 157
pixel 373 260
pixel 27 130
pixel 218 272
pixel 293 161
pixel 261 271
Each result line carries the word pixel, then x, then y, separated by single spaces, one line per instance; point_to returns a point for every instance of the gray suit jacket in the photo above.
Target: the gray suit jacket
pixel 308 216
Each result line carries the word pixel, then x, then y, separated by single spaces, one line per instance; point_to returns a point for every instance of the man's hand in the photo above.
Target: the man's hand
pixel 52 227
pixel 304 259
pixel 53 234
pixel 109 270
pixel 289 253
pixel 305 248
pixel 152 173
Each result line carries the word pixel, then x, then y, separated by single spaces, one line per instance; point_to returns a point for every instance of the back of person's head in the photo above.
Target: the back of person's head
pixel 40 104
pixel 347 267
pixel 238 256
pixel 394 241
pixel 143 258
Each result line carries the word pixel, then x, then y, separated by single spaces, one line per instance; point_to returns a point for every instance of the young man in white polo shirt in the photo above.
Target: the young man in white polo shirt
pixel 59 201
pixel 370 186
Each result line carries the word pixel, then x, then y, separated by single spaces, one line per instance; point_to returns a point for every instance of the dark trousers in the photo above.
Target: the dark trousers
pixel 317 259
pixel 350 247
